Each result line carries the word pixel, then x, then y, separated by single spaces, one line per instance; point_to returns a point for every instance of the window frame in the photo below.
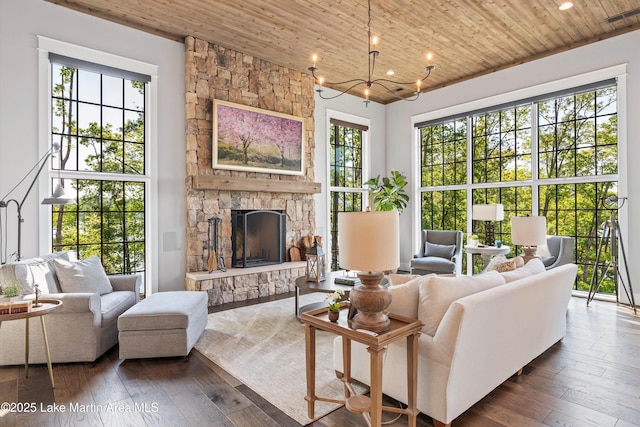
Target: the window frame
pixel 47 45
pixel 617 72
pixel 366 138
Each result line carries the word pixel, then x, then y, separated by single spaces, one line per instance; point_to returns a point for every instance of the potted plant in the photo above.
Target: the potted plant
pixel 388 193
pixel 11 290
pixel 473 240
pixel 335 302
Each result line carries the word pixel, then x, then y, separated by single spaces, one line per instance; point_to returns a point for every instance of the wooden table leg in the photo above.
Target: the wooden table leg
pixel 26 347
pixel 46 350
pixel 346 366
pixel 375 392
pixel 412 383
pixel 310 344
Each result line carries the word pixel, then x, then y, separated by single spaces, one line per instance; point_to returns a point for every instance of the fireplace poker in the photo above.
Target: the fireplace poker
pixel 212 263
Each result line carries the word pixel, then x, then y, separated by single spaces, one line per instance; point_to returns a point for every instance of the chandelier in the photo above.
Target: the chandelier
pixel 370 81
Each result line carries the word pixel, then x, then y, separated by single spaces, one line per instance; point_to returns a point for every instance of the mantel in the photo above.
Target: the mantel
pixel 215 182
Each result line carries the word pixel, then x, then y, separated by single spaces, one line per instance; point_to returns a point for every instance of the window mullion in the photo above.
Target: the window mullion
pixel 535 195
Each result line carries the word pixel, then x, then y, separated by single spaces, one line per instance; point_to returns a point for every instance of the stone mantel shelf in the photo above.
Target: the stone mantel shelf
pixel 231 272
pixel 215 182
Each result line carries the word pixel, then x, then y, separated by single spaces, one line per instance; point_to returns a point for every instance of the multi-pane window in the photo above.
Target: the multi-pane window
pixel 98 120
pixel 502 145
pixel 444 154
pixel 574 138
pixel 345 176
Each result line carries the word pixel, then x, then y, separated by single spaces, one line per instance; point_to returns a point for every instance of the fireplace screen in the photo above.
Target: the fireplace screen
pixel 257 237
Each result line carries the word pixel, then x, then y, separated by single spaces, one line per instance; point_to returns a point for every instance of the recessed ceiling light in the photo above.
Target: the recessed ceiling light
pixel 566 5
pixel 390 73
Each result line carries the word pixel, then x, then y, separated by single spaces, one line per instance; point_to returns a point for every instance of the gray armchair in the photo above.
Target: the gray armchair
pixel 440 252
pixel 561 250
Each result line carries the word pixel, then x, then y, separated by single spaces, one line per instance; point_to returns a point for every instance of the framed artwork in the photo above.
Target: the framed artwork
pixel 256 140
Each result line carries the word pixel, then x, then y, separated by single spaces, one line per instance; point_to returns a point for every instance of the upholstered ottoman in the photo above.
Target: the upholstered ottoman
pixel 163 325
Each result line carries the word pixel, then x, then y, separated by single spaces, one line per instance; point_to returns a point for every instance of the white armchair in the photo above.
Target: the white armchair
pixel 81 331
pixel 560 251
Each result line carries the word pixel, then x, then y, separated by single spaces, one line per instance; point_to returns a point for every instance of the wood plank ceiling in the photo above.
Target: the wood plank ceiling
pixel 468 38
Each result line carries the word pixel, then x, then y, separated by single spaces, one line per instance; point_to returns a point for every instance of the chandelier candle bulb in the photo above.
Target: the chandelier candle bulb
pixel 418 86
pixel 314 58
pixel 381 84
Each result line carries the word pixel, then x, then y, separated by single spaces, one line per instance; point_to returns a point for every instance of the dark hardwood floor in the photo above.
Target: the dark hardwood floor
pixel 591 378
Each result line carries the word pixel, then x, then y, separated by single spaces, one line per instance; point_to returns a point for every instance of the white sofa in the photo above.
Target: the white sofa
pixel 481 340
pixel 81 331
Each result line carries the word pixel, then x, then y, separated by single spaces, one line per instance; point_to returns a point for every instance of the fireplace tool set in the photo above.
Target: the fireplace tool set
pixel 214 262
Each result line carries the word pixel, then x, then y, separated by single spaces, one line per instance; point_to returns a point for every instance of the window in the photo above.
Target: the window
pixel 98 118
pixel 345 176
pixel 554 156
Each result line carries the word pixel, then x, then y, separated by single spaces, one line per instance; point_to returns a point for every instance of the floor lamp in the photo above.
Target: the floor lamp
pixel 58 197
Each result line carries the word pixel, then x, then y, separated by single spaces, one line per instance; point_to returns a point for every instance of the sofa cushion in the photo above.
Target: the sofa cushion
pixel 399 279
pixel 433 264
pixel 164 310
pixel 82 276
pixel 114 304
pixel 437 294
pixel 35 271
pixel 440 251
pixel 405 296
pixel 534 266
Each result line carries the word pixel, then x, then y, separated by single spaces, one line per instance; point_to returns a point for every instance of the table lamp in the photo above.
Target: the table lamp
pixel 488 213
pixel 369 243
pixel 529 232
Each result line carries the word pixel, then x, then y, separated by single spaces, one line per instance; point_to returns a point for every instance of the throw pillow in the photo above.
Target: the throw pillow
pixel 534 266
pixel 437 294
pixel 32 271
pixel 82 276
pixel 519 261
pixel 399 279
pixel 404 297
pixel 507 265
pixel 440 251
pixel 495 261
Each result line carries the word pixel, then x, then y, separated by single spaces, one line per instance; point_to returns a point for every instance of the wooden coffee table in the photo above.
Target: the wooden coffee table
pixel 46 306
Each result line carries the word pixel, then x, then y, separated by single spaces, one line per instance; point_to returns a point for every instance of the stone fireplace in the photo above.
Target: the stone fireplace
pixel 214 72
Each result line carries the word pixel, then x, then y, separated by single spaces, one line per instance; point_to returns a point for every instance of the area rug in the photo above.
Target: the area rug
pixel 263 346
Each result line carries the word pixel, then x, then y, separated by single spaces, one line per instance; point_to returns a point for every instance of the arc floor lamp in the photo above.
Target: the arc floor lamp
pixel 58 197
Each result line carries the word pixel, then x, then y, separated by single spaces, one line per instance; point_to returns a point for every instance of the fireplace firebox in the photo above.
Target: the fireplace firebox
pixel 257 237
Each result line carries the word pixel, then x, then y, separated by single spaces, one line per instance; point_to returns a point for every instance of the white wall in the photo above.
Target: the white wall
pixel 352 109
pixel 614 51
pixel 20 22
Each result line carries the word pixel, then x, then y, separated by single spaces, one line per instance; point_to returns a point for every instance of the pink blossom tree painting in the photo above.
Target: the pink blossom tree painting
pixel 247 138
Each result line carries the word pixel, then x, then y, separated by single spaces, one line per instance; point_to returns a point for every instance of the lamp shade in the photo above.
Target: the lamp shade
pixel 529 230
pixel 487 212
pixel 58 197
pixel 369 241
